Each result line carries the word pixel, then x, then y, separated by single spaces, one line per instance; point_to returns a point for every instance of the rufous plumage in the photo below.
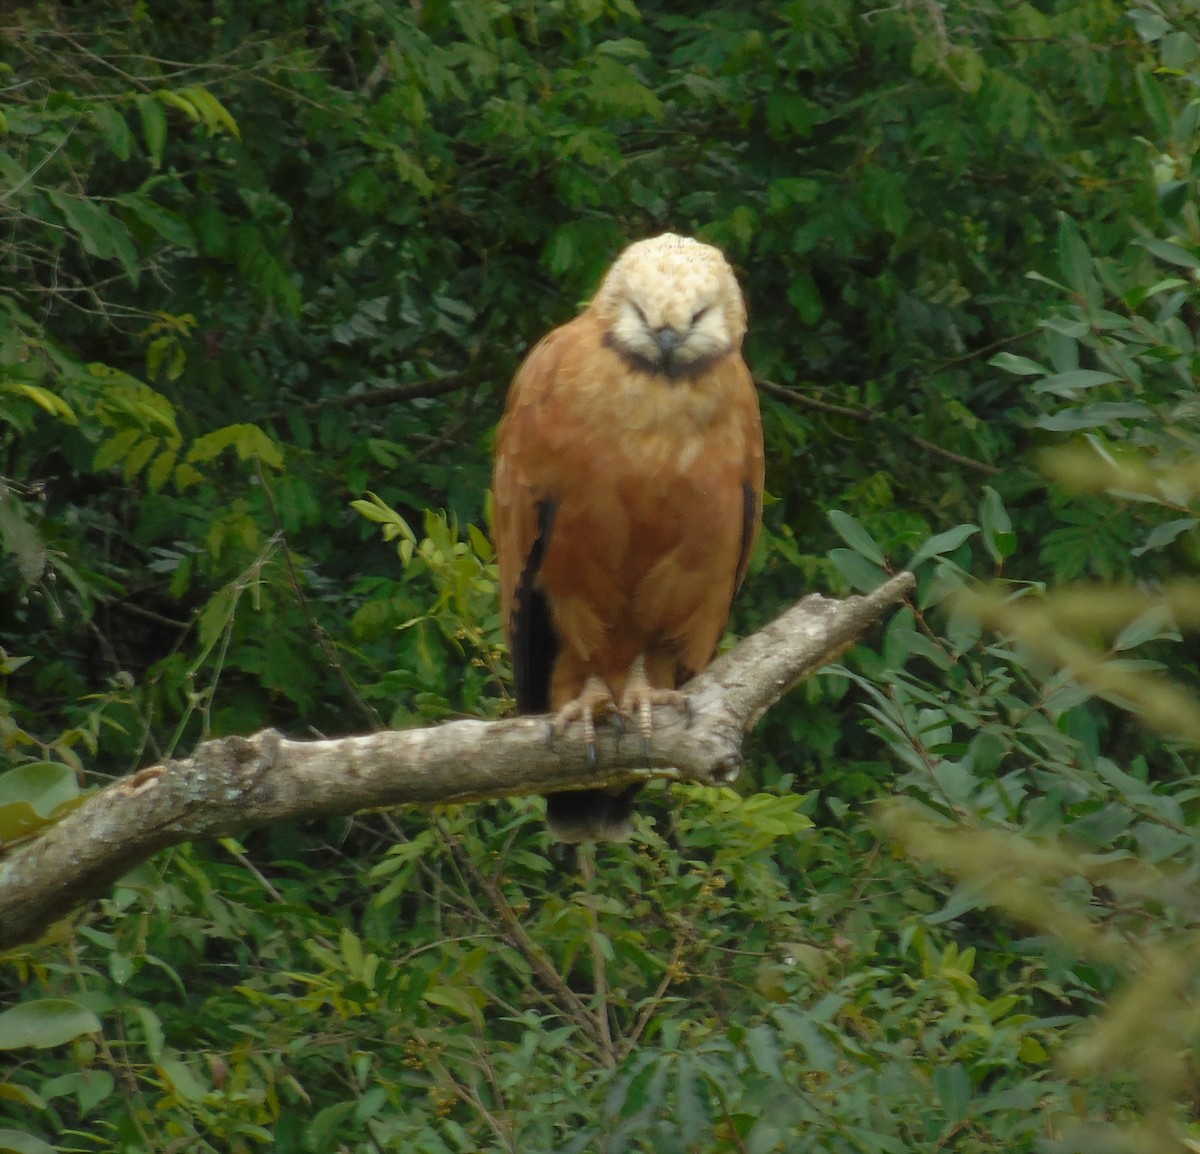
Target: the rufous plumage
pixel 627 497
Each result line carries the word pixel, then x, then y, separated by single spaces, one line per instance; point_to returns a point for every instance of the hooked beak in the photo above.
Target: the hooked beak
pixel 667 339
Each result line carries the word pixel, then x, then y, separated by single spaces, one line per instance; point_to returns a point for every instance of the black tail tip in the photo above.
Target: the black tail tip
pixel 591 815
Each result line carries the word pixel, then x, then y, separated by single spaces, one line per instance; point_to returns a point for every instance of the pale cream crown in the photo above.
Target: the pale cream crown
pixel 672 304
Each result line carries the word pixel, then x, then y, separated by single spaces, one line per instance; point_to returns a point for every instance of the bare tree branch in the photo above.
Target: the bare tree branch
pixel 235 783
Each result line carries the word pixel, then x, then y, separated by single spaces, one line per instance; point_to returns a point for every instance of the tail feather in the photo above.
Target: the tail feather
pixel 591 814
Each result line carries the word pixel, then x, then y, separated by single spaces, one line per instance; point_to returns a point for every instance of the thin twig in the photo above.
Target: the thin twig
pixel 587 871
pixel 670 974
pixel 569 1002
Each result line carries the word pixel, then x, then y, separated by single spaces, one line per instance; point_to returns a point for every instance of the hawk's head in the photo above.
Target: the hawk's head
pixel 672 306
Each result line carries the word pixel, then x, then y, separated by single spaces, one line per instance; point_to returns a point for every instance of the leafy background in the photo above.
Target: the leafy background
pixel 265 272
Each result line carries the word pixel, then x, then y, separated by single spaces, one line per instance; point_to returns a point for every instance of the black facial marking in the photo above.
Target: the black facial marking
pixel 673 369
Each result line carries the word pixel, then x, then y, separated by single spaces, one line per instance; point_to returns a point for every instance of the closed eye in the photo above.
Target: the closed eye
pixel 698 315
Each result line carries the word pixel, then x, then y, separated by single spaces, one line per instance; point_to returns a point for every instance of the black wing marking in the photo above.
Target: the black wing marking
pixel 532 639
pixel 749 524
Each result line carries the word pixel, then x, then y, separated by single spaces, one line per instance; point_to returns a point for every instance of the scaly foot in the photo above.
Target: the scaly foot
pixel 640 698
pixel 595 698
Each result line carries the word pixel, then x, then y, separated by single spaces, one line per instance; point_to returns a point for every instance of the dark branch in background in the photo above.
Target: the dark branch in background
pixel 869 416
pixel 390 394
pixel 236 783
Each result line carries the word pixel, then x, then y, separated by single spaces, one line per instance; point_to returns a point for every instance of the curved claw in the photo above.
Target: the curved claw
pixel 616 721
pixel 595 698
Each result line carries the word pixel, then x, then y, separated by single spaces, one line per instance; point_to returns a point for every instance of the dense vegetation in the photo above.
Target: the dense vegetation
pixel 265 272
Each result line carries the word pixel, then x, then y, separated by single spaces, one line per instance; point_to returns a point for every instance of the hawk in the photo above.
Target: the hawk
pixel 627 497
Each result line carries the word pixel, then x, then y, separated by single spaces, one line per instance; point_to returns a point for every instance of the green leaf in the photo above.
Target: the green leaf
pixel 138 457
pixel 856 537
pixel 953 1090
pixel 1021 366
pixel 410 171
pixel 45 1023
pixel 1071 328
pixel 790 114
pixel 101 233
pixel 480 543
pixel 114 128
pixel 1163 535
pixel 691 1114
pixel 1092 416
pixel 154 128
pixel 1139 295
pixel 249 441
pixel 374 508
pixel 211 111
pixel 805 297
pixel 161 470
pixel 966 66
pixel 884 197
pixel 1151 26
pixel 787 191
pixel 98 1085
pixel 216 615
pixel 1152 625
pixel 1070 383
pixel 612 88
pixel 1076 262
pixel 167 224
pixel 19 537
pixel 857 570
pixel 32 795
pixel 182 1080
pixel 1174 195
pixel 152 1029
pixel 115 449
pixel 324 1128
pixel 942 543
pixel 762 1046
pixel 456 1000
pixel 1154 100
pixel 1170 252
pixel 15 1142
pixel 996 525
pixel 259 264
pixel 51 402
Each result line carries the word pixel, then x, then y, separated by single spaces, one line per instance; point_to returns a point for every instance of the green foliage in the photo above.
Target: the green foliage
pixel 266 273
pixel 443 612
